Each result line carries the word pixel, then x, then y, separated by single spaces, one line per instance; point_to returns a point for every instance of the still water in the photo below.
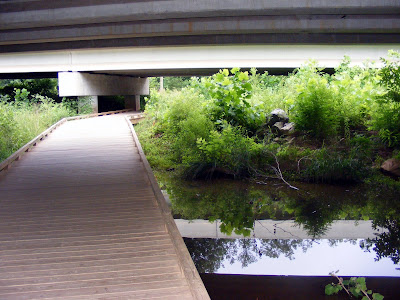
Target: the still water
pixel 305 257
pixel 267 228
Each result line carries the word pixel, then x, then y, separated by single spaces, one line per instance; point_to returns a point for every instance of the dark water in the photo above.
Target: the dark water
pixel 280 231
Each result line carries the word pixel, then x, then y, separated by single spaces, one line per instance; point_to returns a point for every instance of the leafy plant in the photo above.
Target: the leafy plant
pixel 314 108
pixel 388 137
pixel 390 76
pixel 230 92
pixel 228 151
pixel 386 117
pixel 355 286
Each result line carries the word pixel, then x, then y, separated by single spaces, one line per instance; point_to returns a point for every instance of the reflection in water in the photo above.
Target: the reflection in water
pixel 315 207
pixel 286 257
pixel 386 244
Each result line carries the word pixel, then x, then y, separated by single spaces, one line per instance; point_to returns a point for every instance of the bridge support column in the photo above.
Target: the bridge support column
pixel 132 102
pixel 94 85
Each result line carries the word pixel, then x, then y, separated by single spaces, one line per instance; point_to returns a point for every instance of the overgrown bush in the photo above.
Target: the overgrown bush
pixel 230 92
pixel 386 117
pixel 314 108
pixel 227 151
pixel 184 121
pixel 355 90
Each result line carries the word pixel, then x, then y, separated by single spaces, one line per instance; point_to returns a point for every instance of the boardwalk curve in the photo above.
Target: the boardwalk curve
pixel 81 218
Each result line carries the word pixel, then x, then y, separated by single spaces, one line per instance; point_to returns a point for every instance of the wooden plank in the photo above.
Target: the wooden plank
pixel 97 240
pixel 64 279
pixel 118 244
pixel 114 266
pixel 84 265
pixel 170 293
pixel 102 288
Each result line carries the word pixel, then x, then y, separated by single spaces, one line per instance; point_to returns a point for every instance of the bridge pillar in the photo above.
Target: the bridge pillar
pixel 87 84
pixel 132 102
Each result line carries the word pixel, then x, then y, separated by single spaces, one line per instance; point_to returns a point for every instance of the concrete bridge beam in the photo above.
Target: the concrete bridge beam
pixel 94 85
pixel 88 24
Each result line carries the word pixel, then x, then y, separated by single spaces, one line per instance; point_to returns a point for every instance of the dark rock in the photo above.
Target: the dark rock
pixel 276 128
pixel 277 115
pixel 287 129
pixel 391 167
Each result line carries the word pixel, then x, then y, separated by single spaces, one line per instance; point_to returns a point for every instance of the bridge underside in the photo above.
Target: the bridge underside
pixel 173 37
pixel 184 60
pixel 58 25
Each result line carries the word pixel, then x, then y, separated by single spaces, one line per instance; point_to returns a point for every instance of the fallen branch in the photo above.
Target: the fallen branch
pixel 279 173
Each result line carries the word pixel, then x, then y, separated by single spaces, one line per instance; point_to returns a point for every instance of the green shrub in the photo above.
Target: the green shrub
pixel 184 122
pixel 386 116
pixel 334 167
pixel 355 90
pixel 229 151
pixel 390 76
pixel 314 108
pixel 230 93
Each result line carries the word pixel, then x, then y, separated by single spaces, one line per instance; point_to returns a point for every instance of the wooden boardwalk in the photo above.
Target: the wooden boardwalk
pixel 80 218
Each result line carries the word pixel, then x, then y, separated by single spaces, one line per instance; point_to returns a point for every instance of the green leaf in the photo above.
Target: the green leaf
pixel 377 296
pixel 330 289
pixel 219 77
pixel 361 280
pixel 235 70
pixel 243 76
pixel 355 291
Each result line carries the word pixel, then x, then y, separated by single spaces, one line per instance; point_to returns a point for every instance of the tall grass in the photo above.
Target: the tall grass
pixel 22 121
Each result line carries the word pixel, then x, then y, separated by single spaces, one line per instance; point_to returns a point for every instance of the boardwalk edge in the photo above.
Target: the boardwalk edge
pixel 188 268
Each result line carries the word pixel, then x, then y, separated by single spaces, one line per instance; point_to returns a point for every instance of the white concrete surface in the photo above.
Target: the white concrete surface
pixel 85 84
pixel 134 60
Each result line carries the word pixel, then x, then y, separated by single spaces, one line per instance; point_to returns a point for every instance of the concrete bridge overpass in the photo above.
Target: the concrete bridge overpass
pixel 77 24
pixel 177 37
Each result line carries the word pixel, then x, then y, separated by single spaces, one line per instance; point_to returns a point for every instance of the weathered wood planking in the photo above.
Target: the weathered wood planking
pixel 80 219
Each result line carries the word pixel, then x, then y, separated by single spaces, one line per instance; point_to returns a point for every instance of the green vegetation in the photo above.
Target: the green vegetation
pixel 29 88
pixel 24 115
pixel 346 124
pixel 355 286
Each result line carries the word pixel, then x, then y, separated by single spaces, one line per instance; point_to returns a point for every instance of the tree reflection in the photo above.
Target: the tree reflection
pixel 385 214
pixel 238 204
pixel 387 243
pixel 209 254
